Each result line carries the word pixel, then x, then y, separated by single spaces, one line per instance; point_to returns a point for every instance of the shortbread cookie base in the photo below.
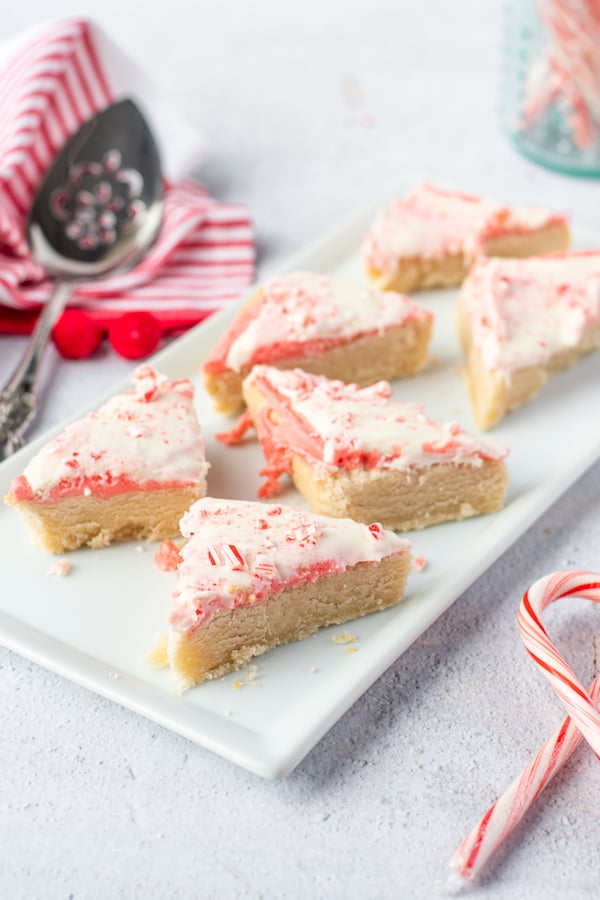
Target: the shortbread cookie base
pixel 404 500
pixel 415 273
pixel 229 639
pixel 554 238
pixel 420 272
pixel 493 394
pixel 96 522
pixel 396 353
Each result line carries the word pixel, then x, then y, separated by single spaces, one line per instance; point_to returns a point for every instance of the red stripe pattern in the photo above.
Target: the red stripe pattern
pixel 583 721
pixel 47 90
pixel 204 256
pixel 227 555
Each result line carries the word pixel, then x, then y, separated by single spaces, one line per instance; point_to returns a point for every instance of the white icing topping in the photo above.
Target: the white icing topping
pixel 521 312
pixel 431 222
pixel 150 434
pixel 354 422
pixel 304 307
pixel 242 552
pixel 524 218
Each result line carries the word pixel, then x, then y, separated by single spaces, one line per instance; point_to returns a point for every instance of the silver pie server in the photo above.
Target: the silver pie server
pixel 98 210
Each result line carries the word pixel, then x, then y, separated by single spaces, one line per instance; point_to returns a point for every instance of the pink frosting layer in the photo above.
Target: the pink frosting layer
pixel 305 314
pixel 145 439
pixel 522 312
pixel 336 426
pixel 432 222
pixel 240 553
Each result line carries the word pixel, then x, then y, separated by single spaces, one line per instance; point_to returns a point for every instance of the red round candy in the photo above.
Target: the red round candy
pixel 136 334
pixel 76 335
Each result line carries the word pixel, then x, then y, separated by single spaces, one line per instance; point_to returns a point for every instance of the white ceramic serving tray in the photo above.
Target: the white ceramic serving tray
pixel 96 625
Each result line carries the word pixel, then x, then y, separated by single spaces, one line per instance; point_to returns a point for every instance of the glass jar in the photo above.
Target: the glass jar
pixel 551 83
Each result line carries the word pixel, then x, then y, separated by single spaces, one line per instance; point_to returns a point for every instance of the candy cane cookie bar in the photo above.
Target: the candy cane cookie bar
pixel 253 576
pixel 127 471
pixel 520 321
pixel 326 325
pixel 432 237
pixel 359 453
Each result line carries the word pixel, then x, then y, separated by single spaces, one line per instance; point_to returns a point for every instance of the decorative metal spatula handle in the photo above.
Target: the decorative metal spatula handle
pixel 18 399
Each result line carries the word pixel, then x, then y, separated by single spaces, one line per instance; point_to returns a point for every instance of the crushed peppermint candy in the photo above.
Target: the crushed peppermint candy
pixel 227 555
pixel 418 563
pixel 167 557
pixel 61 568
pixel 304 533
pixel 264 567
pixel 147 382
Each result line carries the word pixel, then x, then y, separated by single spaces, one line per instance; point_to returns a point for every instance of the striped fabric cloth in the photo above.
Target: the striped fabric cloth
pixel 204 256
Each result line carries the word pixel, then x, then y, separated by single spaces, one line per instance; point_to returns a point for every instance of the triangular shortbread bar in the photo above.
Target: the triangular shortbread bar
pixel 255 575
pixel 327 325
pixel 522 320
pixel 357 452
pixel 432 237
pixel 127 471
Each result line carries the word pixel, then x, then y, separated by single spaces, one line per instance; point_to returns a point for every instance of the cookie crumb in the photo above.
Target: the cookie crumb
pixel 313 670
pixel 351 649
pixel 346 637
pixel 159 656
pixel 140 548
pixel 250 675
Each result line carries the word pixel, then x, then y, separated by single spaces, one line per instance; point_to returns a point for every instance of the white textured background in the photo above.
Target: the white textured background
pixel 310 110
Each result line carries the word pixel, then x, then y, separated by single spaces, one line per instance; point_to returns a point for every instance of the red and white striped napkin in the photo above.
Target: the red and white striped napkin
pixel 52 82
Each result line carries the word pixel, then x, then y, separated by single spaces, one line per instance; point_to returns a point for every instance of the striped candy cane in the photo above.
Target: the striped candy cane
pixel 570 69
pixel 583 721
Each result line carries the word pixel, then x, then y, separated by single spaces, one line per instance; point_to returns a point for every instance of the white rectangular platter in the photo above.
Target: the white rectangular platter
pixel 96 625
